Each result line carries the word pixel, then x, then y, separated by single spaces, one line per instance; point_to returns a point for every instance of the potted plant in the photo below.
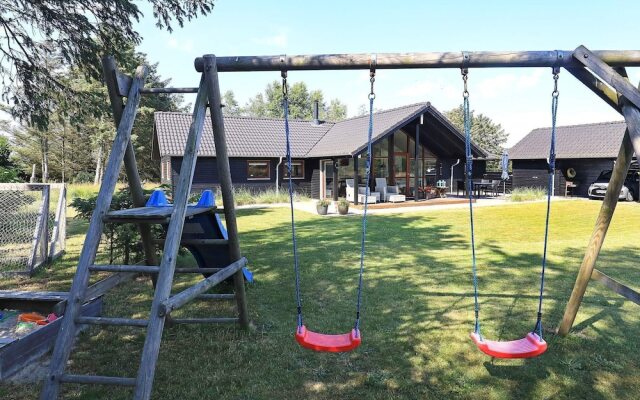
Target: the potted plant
pixel 322 206
pixel 343 206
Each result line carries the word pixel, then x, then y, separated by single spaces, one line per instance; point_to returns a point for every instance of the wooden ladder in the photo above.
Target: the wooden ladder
pixel 163 302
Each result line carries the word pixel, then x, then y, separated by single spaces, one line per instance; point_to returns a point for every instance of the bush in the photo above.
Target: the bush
pixel 527 194
pixel 244 196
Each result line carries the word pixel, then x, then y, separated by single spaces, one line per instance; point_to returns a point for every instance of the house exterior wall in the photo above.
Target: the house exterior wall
pixel 206 174
pixel 533 173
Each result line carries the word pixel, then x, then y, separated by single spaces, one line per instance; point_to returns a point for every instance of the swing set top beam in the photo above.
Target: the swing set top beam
pixel 461 59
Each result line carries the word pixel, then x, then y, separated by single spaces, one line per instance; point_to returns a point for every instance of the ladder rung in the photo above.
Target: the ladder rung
pixel 207 242
pixel 197 270
pixel 143 269
pixel 219 320
pixel 112 321
pixel 217 296
pixel 98 380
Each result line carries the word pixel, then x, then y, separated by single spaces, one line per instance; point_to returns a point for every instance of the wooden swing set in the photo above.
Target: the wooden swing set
pixel 603 72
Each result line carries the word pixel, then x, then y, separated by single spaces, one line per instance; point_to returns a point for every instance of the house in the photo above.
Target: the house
pixel 582 152
pixel 323 152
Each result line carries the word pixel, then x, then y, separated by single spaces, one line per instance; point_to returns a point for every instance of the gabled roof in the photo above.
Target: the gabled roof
pixel 264 137
pixel 246 136
pixel 599 140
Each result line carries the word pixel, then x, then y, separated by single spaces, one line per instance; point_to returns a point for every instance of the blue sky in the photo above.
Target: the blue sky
pixel 519 99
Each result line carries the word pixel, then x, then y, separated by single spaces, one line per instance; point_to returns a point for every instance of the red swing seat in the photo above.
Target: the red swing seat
pixel 529 346
pixel 329 343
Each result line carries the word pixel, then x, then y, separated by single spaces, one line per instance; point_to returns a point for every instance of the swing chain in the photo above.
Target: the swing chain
pixel 372 79
pixel 556 73
pixel 465 72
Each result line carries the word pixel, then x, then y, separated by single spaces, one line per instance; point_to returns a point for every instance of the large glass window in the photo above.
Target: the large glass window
pixel 400 142
pixel 297 169
pixel 259 170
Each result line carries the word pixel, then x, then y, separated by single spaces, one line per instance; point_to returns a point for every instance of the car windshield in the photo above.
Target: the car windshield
pixel 605 175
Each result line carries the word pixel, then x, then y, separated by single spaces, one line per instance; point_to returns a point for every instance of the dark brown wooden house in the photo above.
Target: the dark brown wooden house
pixel 582 152
pixel 414 146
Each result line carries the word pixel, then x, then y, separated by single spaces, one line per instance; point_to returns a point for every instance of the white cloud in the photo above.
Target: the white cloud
pixel 279 40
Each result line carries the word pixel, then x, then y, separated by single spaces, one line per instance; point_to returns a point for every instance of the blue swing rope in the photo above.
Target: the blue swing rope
pixel 552 170
pixel 296 264
pixel 469 170
pixel 466 113
pixel 372 96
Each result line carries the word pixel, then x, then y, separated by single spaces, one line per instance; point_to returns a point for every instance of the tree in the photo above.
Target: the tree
pixel 336 111
pixel 231 106
pixel 79 32
pixel 484 132
pixel 270 103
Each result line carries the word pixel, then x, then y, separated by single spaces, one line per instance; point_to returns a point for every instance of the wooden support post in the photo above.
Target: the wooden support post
pixel 66 335
pixel 334 189
pixel 151 349
pixel 416 169
pixel 630 141
pixel 599 232
pixel 226 185
pixel 391 159
pixel 110 72
pixel 356 179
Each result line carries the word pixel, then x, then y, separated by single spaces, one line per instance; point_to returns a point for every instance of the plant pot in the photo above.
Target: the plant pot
pixel 343 210
pixel 322 210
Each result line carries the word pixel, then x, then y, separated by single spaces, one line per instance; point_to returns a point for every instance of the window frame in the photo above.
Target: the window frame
pixel 267 178
pixel 285 170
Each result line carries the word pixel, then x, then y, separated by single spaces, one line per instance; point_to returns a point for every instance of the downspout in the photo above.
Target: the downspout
pixel 277 175
pixel 457 162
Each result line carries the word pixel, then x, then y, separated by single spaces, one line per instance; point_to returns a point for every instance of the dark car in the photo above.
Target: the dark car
pixel 629 190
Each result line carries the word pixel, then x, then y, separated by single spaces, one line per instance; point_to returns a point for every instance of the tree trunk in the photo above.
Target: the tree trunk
pixel 98 177
pixel 44 143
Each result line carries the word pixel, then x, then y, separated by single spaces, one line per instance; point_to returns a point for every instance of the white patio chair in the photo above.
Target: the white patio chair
pixel 385 190
pixel 350 190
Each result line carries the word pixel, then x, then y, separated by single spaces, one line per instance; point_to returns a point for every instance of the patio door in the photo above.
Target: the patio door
pixel 326 179
pixel 402 172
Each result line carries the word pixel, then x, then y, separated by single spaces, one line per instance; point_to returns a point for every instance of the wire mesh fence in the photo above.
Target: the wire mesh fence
pixel 32 225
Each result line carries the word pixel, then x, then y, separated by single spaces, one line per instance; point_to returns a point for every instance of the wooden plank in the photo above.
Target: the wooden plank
pixel 226 185
pixel 356 181
pixel 218 320
pixel 217 296
pixel 97 380
pixel 113 321
pixel 103 286
pixel 609 203
pixel 59 225
pixel 197 270
pixel 65 339
pixel 168 90
pixel 621 289
pixel 150 213
pixel 598 87
pixel 114 81
pixel 151 348
pixel 207 242
pixel 475 59
pixel 26 295
pixel 40 229
pixel 182 298
pixel 607 74
pixel 141 269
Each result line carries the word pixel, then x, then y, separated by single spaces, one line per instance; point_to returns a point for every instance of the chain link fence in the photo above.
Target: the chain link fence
pixel 32 226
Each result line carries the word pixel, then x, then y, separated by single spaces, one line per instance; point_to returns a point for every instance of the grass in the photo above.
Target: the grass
pixel 527 194
pixel 418 311
pixel 244 196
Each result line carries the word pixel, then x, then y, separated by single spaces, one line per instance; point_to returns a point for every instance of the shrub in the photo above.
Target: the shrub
pixel 324 202
pixel 527 194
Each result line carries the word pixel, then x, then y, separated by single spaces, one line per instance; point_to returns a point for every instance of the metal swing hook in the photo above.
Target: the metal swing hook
pixel 372 74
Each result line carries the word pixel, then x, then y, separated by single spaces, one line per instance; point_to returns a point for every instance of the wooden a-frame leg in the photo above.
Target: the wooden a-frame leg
pixel 630 141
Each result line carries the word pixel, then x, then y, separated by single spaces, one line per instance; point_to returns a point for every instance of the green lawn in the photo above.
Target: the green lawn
pixel 418 311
